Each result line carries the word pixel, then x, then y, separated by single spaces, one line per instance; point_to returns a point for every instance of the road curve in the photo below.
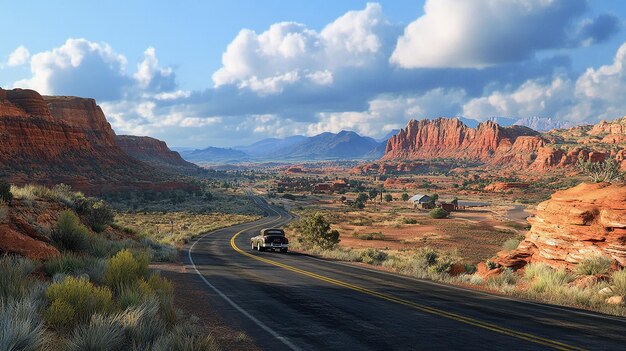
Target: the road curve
pixel 297 302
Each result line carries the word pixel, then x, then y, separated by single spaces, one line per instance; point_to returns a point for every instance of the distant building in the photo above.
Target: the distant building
pixel 419 199
pixel 322 187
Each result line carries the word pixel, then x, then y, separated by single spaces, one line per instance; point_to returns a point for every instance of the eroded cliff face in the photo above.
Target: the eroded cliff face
pixel 513 147
pixel 154 152
pixel 574 224
pixel 52 140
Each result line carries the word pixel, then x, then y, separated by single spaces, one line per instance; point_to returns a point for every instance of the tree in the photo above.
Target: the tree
pixel 405 197
pixel 388 197
pixel 373 193
pixel 362 197
pixel 455 201
pixel 433 199
pixel 5 191
pixel 316 231
pixel 438 213
pixel 602 171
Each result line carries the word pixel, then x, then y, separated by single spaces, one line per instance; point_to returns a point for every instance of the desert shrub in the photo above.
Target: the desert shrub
pixel 601 171
pixel 101 333
pixel 14 276
pixel 426 257
pixel 289 196
pixel 83 296
pixel 409 220
pixel 511 244
pixel 96 213
pixel 160 285
pixel 125 269
pixel 369 236
pixel 4 211
pixel 102 247
pixel 593 265
pixel 491 265
pixel 503 281
pixel 68 263
pixel 160 252
pixel 545 279
pixel 186 337
pixel 438 213
pixel 60 315
pixel 143 325
pixel 373 256
pixel 20 325
pixel 315 231
pixel 69 233
pixel 405 197
pixel 5 191
pixel 388 198
pixel 618 282
pixel 470 268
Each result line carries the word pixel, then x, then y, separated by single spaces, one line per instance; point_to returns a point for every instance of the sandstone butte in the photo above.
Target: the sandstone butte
pixel 493 146
pixel 574 224
pixel 60 139
pixel 154 152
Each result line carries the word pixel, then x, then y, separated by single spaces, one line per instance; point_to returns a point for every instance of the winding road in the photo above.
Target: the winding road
pixel 298 302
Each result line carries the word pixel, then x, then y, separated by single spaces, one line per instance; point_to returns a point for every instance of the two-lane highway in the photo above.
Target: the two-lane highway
pixel 292 301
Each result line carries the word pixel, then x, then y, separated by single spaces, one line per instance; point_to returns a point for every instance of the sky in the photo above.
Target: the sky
pixel 217 73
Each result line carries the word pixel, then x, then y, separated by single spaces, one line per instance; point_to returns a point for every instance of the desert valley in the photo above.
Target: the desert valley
pixel 335 187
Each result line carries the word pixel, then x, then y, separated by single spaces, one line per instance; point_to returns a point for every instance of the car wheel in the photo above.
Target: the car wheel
pixel 283 250
pixel 252 244
pixel 258 247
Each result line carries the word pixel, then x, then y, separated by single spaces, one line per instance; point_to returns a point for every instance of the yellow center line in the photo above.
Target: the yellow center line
pixel 427 309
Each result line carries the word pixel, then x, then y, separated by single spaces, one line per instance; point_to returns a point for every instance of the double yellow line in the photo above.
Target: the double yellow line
pixel 423 308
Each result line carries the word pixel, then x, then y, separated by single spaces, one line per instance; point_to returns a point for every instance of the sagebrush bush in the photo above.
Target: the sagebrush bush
pixel 373 256
pixel 68 263
pixel 102 333
pixel 69 233
pixel 125 269
pixel 143 325
pixel 438 213
pixel 14 276
pixel 20 325
pixel 186 338
pixel 594 265
pixel 618 282
pixel 503 281
pixel 96 212
pixel 60 315
pixel 409 221
pixel 99 246
pixel 511 244
pixel 83 296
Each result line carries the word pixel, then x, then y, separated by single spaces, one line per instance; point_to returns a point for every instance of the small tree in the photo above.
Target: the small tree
pixel 388 197
pixel 362 197
pixel 405 197
pixel 602 171
pixel 316 231
pixel 373 193
pixel 438 213
pixel 5 191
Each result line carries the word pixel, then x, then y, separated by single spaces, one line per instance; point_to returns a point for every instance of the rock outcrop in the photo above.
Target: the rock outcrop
pixel 156 153
pixel 51 140
pixel 578 223
pixel 512 148
pixel 505 186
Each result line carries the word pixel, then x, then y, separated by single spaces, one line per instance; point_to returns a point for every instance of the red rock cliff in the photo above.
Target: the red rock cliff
pixel 154 152
pixel 51 140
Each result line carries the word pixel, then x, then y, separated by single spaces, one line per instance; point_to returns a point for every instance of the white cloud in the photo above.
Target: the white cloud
pixel 150 76
pixel 288 51
pixel 480 33
pixel 18 57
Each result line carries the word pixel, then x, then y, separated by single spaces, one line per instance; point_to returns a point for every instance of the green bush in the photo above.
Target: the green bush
pixel 68 263
pixel 85 298
pixel 14 276
pixel 491 265
pixel 20 325
pixel 409 220
pixel 69 233
pixel 369 236
pixel 373 256
pixel 60 315
pixel 5 191
pixel 101 333
pixel 594 265
pixel 618 282
pixel 125 269
pixel 388 198
pixel 511 244
pixel 96 213
pixel 143 325
pixel 438 213
pixel 405 197
pixel 315 231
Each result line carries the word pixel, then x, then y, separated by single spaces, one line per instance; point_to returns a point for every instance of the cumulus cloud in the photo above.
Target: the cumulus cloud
pixel 84 68
pixel 289 53
pixel 18 57
pixel 481 33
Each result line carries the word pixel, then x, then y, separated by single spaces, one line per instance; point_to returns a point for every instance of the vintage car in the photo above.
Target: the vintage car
pixel 270 239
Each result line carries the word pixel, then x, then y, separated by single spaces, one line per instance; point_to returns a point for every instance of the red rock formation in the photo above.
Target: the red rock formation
pixel 585 221
pixel 614 127
pixel 52 140
pixel 505 186
pixel 154 152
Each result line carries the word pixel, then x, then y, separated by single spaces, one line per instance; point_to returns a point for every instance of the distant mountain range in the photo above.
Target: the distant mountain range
pixel 333 146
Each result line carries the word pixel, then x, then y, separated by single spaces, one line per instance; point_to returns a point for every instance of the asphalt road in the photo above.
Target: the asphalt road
pixel 297 302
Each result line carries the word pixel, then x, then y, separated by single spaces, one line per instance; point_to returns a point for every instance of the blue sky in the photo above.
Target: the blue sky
pixel 199 73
